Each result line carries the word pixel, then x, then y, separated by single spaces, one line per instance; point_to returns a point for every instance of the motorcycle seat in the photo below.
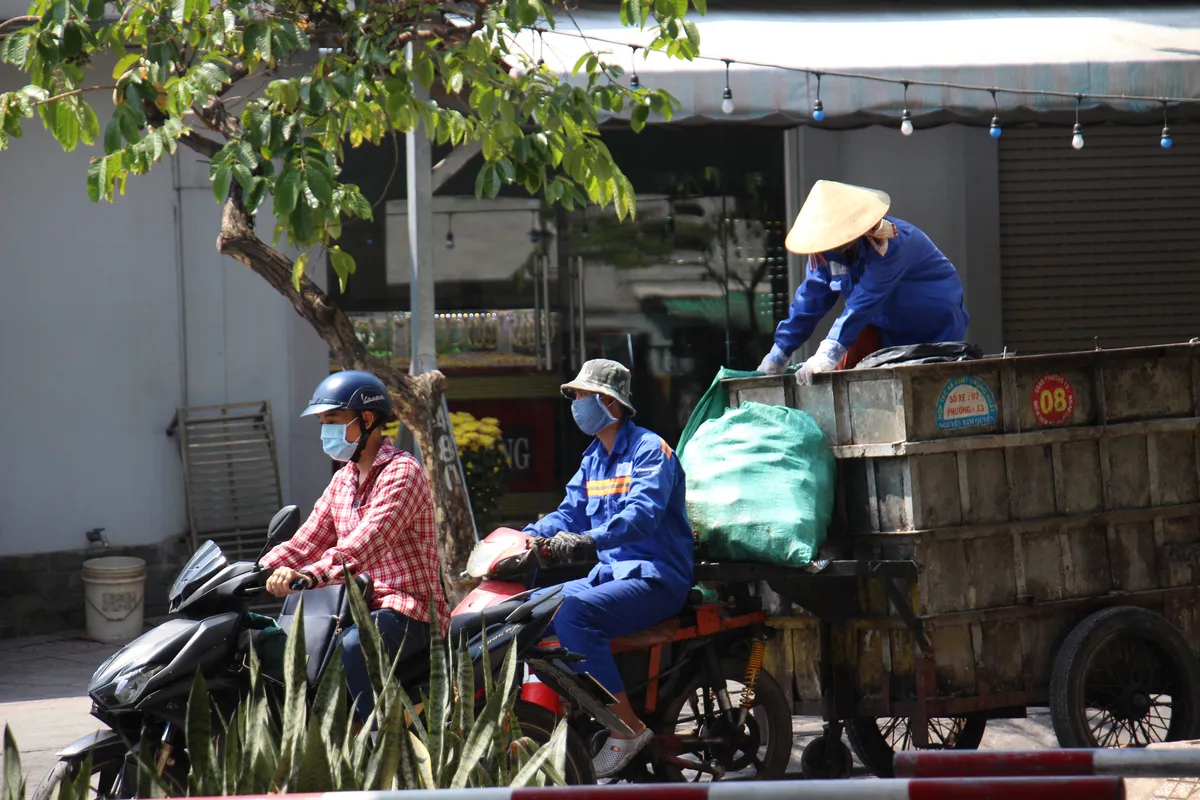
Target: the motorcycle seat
pixel 661 633
pixel 471 623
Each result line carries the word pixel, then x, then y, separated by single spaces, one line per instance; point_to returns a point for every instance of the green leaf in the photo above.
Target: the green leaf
pixel 14 782
pixel 681 7
pixel 636 15
pixel 423 763
pixel 287 191
pixel 124 64
pixel 298 268
pixel 487 726
pixel 318 181
pixel 693 32
pixel 95 9
pixel 423 67
pixel 701 6
pixel 542 757
pixel 637 118
pixel 97 179
pixel 314 774
pixel 343 264
pixel 89 125
pixel 203 778
pixel 221 183
pixel 66 127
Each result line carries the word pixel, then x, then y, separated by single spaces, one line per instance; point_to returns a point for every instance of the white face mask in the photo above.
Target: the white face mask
pixel 333 441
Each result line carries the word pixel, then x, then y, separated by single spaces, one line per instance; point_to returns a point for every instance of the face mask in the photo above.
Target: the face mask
pixel 333 441
pixel 590 415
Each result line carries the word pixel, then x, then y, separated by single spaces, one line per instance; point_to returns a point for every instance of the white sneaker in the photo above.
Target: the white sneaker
pixel 617 753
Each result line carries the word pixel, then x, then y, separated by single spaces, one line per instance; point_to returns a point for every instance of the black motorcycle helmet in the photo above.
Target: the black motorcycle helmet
pixel 352 390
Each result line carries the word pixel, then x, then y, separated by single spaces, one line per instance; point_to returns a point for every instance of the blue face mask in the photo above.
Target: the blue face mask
pixel 333 441
pixel 590 415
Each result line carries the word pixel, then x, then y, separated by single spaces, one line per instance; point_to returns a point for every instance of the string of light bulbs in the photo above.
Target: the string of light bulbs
pixel 906 125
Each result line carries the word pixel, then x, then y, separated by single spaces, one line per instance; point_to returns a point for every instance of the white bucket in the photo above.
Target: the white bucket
pixel 114 589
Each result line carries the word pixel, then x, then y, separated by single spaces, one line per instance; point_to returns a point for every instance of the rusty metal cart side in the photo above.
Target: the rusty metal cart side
pixel 1048 508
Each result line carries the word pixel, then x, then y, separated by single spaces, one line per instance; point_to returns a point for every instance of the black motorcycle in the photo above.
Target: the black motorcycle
pixel 140 693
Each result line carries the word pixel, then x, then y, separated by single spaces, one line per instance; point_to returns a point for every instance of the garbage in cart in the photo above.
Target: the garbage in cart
pixel 760 483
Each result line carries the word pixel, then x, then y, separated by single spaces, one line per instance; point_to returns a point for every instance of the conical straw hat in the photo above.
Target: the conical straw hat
pixel 834 214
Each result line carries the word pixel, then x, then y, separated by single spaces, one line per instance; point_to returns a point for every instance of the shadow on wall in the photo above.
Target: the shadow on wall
pixel 43 593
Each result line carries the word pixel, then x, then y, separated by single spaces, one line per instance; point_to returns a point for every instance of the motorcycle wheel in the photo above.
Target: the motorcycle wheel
pixel 538 723
pixel 760 750
pixel 106 779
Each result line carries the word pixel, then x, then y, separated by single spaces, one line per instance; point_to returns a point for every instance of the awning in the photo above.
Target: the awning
pixel 711 310
pixel 1150 52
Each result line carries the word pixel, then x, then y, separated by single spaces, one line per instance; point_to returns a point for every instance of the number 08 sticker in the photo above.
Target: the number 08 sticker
pixel 1053 400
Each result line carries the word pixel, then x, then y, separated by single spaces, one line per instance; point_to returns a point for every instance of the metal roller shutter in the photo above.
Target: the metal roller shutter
pixel 1101 245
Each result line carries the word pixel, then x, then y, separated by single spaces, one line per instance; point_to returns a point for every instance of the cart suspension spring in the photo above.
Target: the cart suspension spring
pixel 753 664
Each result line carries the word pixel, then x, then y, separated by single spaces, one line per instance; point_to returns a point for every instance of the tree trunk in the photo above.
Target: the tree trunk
pixel 419 399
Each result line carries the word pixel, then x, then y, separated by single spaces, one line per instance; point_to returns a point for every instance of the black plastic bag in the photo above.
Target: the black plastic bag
pixel 932 353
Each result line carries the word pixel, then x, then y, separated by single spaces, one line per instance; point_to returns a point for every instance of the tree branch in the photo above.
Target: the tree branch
pixel 239 240
pixel 19 20
pixel 201 144
pixel 73 93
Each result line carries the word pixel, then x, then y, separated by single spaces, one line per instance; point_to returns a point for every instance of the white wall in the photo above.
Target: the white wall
pixel 943 180
pixel 106 333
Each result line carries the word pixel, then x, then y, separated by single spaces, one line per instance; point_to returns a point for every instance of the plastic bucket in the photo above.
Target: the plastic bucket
pixel 114 589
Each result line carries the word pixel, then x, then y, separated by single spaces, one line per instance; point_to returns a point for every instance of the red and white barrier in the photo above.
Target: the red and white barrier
pixel 1078 788
pixel 1125 762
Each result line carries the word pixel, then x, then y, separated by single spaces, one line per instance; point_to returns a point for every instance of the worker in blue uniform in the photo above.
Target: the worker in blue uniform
pixel 627 503
pixel 899 288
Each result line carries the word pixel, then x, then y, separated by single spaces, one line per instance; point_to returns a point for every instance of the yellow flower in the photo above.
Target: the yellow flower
pixel 487 441
pixel 490 421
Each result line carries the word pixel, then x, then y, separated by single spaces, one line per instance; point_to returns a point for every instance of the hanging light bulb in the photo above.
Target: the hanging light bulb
pixel 906 126
pixel 1166 140
pixel 818 107
pixel 634 83
pixel 994 131
pixel 449 231
pixel 727 95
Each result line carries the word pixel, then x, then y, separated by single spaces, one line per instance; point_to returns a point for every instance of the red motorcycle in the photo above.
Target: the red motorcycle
pixel 696 679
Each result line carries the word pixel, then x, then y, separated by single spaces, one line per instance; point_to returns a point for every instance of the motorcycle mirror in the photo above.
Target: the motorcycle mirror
pixel 283 525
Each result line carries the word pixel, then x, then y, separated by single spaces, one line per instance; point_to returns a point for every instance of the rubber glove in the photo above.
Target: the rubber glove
pixel 567 546
pixel 774 362
pixel 828 355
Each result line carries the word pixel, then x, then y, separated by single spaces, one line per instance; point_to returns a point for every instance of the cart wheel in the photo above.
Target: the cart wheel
pixel 821 762
pixel 876 741
pixel 1124 677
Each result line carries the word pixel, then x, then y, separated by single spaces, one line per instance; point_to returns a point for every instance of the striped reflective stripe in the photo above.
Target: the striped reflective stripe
pixel 666 448
pixel 609 487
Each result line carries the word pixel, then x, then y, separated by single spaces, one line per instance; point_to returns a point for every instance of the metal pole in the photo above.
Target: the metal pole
pixel 546 307
pixel 582 313
pixel 420 240
pixel 725 248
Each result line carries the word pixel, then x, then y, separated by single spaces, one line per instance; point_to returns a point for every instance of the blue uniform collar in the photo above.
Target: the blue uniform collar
pixel 620 445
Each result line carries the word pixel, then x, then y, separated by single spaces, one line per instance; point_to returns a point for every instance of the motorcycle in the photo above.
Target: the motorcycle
pixel 695 679
pixel 140 693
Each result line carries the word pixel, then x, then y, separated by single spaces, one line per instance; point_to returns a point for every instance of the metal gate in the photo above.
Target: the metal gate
pixel 1099 246
pixel 231 472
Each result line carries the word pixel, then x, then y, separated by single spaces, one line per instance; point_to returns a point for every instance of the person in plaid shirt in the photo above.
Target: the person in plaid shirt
pixel 376 516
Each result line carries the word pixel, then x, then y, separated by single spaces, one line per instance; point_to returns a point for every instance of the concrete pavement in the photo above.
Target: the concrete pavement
pixel 43 697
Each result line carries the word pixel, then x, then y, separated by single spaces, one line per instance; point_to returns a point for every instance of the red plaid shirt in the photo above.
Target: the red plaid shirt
pixel 385 527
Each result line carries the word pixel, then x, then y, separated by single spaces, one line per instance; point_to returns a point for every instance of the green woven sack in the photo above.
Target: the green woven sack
pixel 760 485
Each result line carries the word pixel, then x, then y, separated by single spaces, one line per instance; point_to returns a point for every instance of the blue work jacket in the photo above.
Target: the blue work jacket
pixel 912 294
pixel 631 502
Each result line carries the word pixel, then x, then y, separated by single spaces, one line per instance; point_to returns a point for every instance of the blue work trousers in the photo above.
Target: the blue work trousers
pixel 597 610
pixel 401 636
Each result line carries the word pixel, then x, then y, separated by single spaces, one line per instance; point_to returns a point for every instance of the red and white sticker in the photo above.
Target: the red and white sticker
pixel 1053 400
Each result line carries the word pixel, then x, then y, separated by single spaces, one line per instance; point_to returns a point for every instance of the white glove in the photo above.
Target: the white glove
pixel 828 354
pixel 774 362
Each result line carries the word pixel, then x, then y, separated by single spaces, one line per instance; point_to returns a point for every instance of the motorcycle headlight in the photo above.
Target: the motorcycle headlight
pixel 132 682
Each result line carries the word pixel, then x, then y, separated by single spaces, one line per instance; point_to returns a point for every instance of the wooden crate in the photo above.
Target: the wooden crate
pixel 930 402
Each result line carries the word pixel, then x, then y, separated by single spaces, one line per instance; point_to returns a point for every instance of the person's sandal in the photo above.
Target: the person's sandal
pixel 617 753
